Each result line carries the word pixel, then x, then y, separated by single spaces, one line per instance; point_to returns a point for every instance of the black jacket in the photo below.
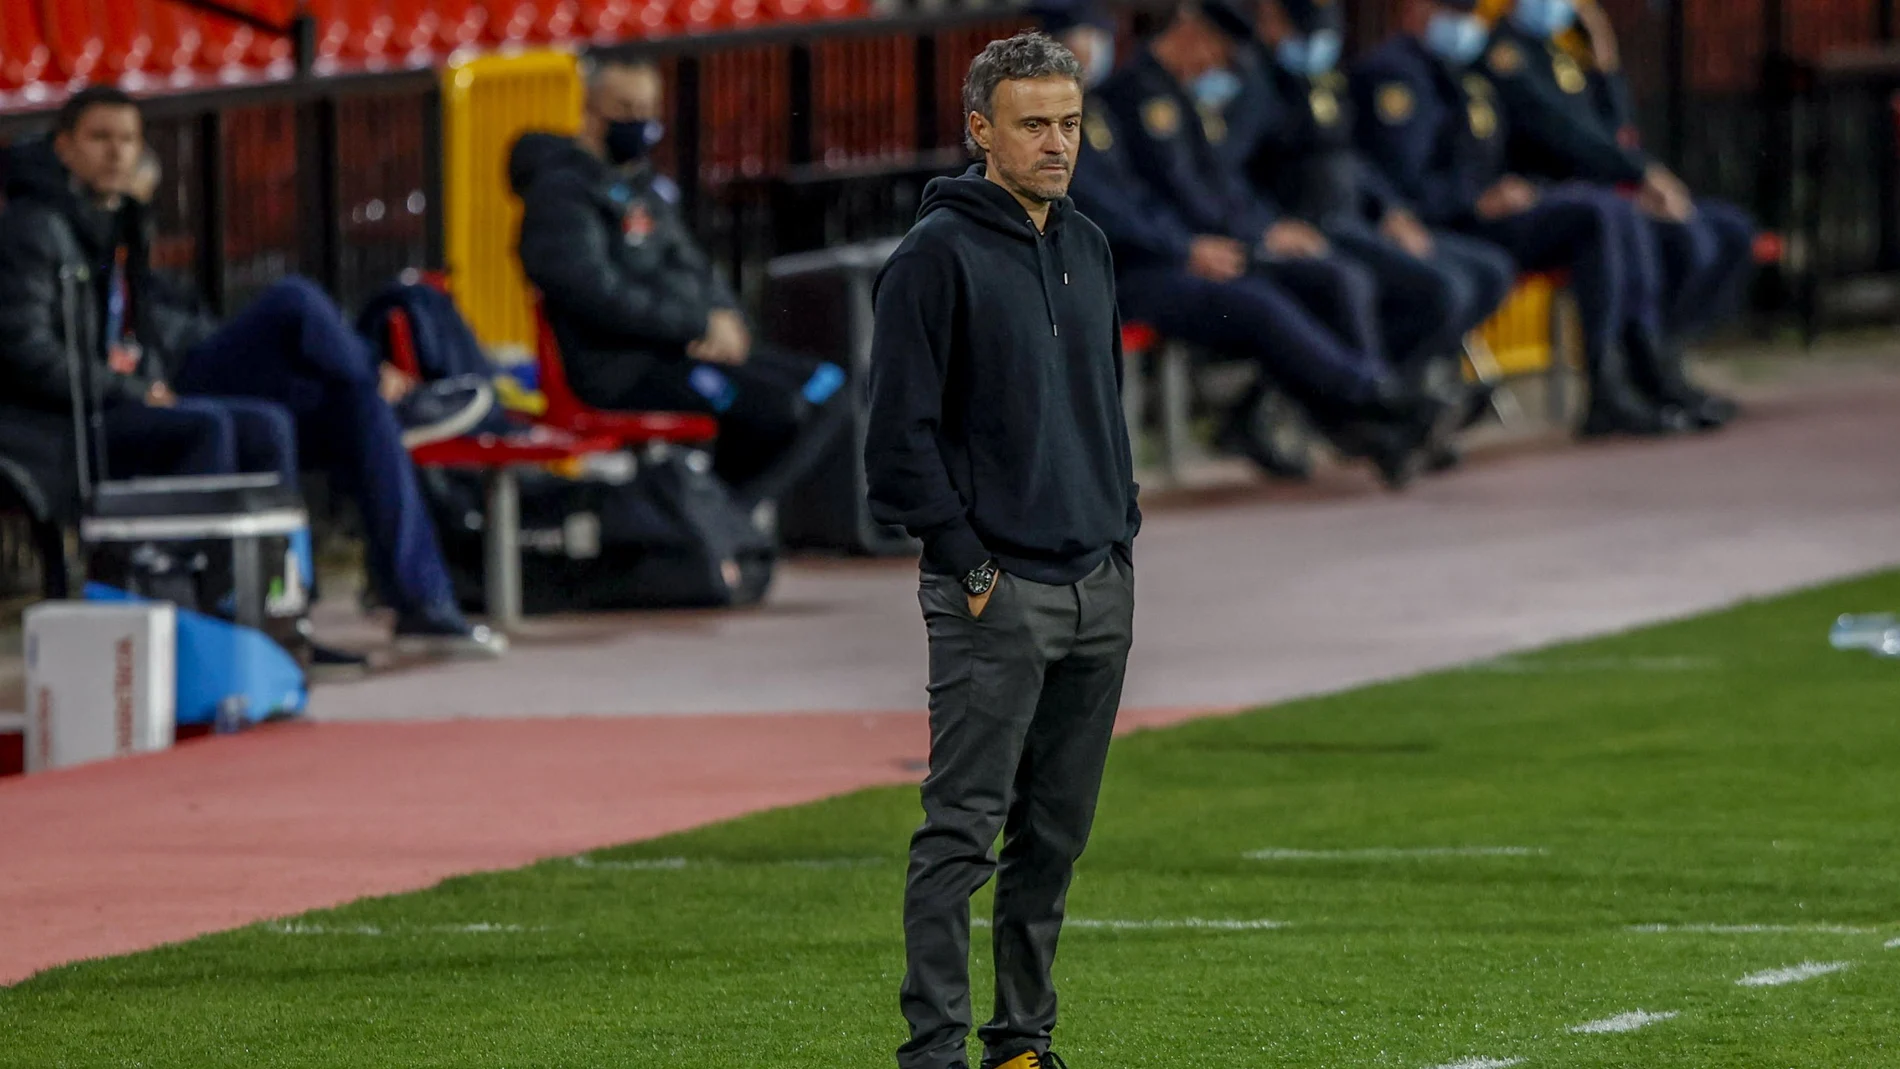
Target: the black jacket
pixel 996 423
pixel 49 228
pixel 1557 129
pixel 622 280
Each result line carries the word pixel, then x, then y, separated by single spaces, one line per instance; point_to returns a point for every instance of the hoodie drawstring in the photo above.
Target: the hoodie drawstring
pixel 1048 300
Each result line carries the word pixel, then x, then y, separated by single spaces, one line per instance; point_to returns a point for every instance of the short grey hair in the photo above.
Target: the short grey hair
pixel 1030 54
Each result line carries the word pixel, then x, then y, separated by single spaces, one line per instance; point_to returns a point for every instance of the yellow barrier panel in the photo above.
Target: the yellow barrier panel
pixel 1521 333
pixel 488 102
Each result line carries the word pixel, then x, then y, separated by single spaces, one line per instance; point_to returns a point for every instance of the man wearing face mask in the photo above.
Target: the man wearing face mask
pixel 1438 135
pixel 1166 104
pixel 642 316
pixel 1565 124
pixel 1291 128
pixel 1196 287
pixel 1306 154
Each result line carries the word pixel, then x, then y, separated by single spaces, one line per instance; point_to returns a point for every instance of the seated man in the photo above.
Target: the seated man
pixel 1439 136
pixel 644 321
pixel 1195 279
pixel 1169 101
pixel 1292 129
pixel 1559 75
pixel 182 395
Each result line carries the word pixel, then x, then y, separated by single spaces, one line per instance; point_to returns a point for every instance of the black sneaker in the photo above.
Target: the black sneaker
pixel 445 633
pixel 448 408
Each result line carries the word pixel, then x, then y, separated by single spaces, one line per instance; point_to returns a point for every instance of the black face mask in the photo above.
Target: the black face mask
pixel 629 142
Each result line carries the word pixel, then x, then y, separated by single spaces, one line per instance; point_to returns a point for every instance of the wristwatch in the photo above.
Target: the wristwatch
pixel 980 579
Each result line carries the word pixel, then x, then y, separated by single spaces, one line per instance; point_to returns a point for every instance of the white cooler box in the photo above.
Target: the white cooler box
pixel 100 681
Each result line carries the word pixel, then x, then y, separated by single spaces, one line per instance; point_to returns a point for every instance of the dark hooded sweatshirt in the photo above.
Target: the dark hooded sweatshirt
pixel 996 426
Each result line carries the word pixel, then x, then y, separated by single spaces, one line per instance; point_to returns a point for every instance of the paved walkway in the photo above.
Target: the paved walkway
pixel 1246 596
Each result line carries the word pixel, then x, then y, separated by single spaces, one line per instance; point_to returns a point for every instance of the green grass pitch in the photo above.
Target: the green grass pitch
pixel 1460 868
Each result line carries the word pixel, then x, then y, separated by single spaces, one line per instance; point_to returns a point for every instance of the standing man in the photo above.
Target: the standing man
pixel 996 437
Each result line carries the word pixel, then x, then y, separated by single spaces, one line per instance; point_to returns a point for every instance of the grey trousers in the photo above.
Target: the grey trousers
pixel 1022 704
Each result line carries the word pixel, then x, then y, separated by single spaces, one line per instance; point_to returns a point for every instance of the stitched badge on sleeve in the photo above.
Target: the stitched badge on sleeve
pixel 1161 117
pixel 1395 103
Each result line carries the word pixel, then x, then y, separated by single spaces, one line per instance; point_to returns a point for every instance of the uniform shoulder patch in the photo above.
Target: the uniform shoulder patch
pixel 1325 105
pixel 1505 59
pixel 1095 128
pixel 1394 103
pixel 1161 116
pixel 1570 77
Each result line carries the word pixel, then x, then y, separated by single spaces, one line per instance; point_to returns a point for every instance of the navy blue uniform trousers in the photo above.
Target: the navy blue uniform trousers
pixel 290 361
pixel 1253 318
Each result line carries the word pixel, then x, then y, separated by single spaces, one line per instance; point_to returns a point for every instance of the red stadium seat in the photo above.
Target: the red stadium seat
pixel 233 49
pixel 569 413
pixel 512 21
pixel 608 20
pixel 177 40
pixel 698 16
pixel 1138 337
pixel 353 32
pixel 74 32
pixel 24 55
pixel 459 23
pixel 127 33
pixel 417 28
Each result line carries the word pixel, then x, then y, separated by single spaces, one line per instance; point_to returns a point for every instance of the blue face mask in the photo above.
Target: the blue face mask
pixel 1456 39
pixel 630 141
pixel 1216 89
pixel 1544 18
pixel 1309 56
pixel 1101 62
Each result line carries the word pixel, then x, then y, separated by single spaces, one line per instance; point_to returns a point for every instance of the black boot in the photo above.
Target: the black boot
pixel 1616 407
pixel 1264 429
pixel 1660 369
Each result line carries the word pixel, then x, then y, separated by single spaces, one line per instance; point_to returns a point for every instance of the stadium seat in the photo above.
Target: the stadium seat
pixel 512 21
pixel 459 23
pixel 610 20
pixel 698 16
pixel 500 461
pixel 177 41
pixel 74 33
pixel 24 54
pixel 127 35
pixel 569 413
pixel 417 29
pixel 353 33
pixel 1139 342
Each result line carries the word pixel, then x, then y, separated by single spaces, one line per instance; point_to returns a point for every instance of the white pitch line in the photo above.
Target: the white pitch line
pixel 1482 1063
pixel 1199 923
pixel 1750 929
pixel 1393 853
pixel 674 864
pixel 1622 1022
pixel 1793 974
pixel 1522 666
pixel 481 928
pixel 1893 944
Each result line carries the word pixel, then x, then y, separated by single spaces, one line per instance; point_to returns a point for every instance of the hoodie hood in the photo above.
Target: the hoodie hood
pixel 538 154
pixel 972 194
pixel 35 173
